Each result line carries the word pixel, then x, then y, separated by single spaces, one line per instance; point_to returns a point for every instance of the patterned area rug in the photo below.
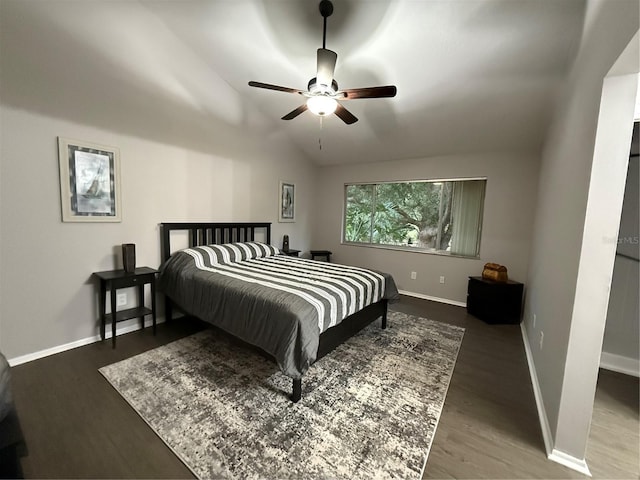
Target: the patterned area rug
pixel 369 409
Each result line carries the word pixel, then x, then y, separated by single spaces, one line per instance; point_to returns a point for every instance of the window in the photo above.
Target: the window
pixel 439 216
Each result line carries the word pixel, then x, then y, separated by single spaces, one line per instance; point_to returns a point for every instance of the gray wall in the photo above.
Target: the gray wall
pixel 48 295
pixel 571 261
pixel 178 163
pixel 622 330
pixel 506 231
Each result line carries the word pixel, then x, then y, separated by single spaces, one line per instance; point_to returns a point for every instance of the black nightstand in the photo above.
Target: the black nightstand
pixel 290 252
pixel 112 280
pixel 495 302
pixel 321 253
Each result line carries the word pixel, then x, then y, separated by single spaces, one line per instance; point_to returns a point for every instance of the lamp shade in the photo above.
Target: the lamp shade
pixel 322 105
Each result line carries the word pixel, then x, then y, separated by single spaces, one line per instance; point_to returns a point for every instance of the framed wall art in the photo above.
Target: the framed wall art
pixel 89 181
pixel 287 202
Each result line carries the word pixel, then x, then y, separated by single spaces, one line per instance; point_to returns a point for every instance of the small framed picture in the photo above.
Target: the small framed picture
pixel 287 202
pixel 89 181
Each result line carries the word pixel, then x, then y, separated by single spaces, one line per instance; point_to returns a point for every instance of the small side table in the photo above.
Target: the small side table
pixel 321 253
pixel 112 280
pixel 290 252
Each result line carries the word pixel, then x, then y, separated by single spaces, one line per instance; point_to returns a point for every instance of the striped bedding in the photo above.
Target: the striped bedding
pixel 281 304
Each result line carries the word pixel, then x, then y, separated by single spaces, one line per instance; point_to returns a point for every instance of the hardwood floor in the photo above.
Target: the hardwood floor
pixel 77 426
pixel 489 426
pixel 614 443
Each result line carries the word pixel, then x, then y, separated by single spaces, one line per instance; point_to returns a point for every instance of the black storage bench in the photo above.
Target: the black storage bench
pixel 495 302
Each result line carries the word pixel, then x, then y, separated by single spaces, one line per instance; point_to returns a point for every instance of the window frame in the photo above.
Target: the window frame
pixel 402 248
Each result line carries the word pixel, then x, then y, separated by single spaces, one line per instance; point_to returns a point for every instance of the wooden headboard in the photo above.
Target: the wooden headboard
pixel 212 233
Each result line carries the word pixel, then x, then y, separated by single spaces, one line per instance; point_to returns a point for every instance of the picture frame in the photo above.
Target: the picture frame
pixel 89 181
pixel 287 202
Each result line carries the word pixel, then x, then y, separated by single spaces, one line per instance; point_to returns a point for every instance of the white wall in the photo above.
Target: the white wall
pixel 208 160
pixel 571 263
pixel 506 231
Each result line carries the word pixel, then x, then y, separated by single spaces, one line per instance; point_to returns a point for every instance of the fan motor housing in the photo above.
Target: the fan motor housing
pixel 313 87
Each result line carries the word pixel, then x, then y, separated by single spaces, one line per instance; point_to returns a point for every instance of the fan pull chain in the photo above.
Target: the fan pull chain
pixel 320 136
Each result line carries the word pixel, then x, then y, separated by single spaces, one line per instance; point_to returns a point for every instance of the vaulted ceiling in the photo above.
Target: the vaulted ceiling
pixel 472 75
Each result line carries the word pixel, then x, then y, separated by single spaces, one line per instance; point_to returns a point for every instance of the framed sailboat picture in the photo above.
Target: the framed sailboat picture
pixel 89 181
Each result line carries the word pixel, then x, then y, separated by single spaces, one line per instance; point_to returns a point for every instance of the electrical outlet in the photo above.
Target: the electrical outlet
pixel 534 320
pixel 414 275
pixel 442 279
pixel 121 299
pixel 541 339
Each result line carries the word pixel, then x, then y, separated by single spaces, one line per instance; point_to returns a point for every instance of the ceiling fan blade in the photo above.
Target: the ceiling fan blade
pixel 326 66
pixel 268 86
pixel 294 113
pixel 369 92
pixel 345 115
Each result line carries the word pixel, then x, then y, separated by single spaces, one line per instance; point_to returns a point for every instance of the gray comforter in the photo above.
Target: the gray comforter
pixel 281 304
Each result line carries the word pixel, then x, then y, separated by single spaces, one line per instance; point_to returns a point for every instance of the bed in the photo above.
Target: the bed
pixel 294 309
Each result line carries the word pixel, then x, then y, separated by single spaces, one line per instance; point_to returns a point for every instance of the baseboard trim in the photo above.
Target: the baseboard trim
pixel 568 461
pixel 547 436
pixel 579 465
pixel 121 328
pixel 434 299
pixel 620 364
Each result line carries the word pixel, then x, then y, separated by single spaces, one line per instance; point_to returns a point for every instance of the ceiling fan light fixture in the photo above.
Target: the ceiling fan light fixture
pixel 322 105
pixel 322 90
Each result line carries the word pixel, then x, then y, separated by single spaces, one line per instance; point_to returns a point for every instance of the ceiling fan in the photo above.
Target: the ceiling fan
pixel 322 91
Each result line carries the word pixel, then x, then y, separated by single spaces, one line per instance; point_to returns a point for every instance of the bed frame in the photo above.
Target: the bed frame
pixel 219 233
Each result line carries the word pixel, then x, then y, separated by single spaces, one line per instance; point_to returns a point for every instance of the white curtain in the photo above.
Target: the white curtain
pixel 468 198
